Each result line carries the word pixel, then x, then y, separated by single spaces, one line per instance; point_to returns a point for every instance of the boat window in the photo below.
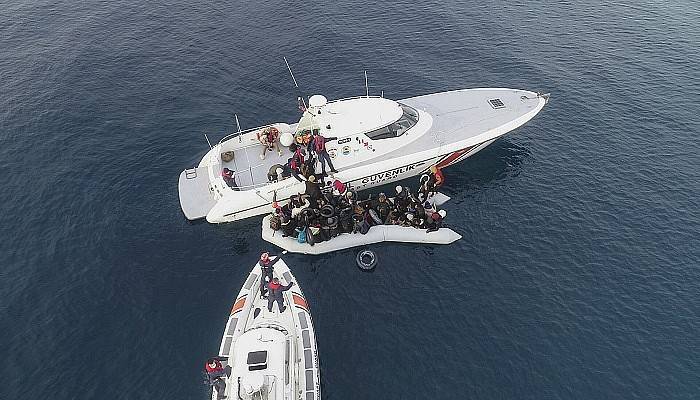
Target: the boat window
pixel 408 120
pixel 257 360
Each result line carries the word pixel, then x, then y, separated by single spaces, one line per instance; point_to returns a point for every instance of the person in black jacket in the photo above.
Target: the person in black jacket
pixel 313 189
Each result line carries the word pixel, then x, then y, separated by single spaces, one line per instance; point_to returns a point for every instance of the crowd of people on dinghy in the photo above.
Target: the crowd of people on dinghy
pixel 329 208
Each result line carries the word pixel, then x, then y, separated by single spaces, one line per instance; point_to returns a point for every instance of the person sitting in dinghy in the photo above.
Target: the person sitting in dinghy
pixel 276 289
pixel 434 221
pixel 216 374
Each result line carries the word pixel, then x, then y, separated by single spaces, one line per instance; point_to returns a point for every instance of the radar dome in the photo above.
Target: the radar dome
pixel 317 100
pixel 286 139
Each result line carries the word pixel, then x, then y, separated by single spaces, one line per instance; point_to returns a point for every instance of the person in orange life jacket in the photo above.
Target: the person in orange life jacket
pixel 435 179
pixel 216 374
pixel 319 146
pixel 276 289
pixel 227 174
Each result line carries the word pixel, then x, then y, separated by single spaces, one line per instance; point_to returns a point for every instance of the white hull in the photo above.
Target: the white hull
pixel 452 126
pixel 297 374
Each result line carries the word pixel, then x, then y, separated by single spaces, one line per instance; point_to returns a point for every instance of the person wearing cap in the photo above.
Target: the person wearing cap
pixel 230 180
pixel 276 289
pixel 216 374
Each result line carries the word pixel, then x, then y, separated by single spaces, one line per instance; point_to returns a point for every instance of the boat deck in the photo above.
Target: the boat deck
pixel 250 170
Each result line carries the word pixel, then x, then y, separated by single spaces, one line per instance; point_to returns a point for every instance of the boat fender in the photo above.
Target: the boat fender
pixel 327 211
pixel 375 217
pixel 366 260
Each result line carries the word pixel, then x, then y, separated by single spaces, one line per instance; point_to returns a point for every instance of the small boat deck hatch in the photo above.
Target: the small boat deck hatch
pixel 257 360
pixel 497 103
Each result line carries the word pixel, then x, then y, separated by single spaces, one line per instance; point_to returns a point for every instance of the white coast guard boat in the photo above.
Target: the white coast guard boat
pixel 272 355
pixel 379 141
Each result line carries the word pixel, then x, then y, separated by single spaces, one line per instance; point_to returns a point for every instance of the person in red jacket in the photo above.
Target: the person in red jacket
pixel 217 373
pixel 275 294
pixel 319 146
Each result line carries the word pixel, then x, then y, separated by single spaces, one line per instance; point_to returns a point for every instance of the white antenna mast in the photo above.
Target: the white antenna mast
pixel 300 99
pixel 239 128
pixel 290 73
pixel 366 87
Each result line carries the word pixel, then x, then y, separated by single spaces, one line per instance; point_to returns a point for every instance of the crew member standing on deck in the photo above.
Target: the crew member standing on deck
pixel 319 146
pixel 276 290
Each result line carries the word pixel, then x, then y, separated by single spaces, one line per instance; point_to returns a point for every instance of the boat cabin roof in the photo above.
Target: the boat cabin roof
pixel 350 116
pixel 260 351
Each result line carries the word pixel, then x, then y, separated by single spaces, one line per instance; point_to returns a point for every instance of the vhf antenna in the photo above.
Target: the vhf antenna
pixel 300 99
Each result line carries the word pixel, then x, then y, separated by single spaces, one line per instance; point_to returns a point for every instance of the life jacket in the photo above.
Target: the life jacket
pixel 274 286
pixel 339 186
pixel 297 160
pixel 228 174
pixel 319 144
pixel 216 368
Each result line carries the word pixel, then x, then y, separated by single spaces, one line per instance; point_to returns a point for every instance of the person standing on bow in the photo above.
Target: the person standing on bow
pixel 319 146
pixel 276 289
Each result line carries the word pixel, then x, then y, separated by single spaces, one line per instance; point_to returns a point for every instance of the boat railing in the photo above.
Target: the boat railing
pixel 239 134
pixel 353 98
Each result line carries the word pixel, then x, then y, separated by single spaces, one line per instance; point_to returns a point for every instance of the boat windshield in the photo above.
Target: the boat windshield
pixel 408 120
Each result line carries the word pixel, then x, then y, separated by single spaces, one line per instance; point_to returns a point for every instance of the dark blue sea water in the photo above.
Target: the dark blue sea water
pixel 578 276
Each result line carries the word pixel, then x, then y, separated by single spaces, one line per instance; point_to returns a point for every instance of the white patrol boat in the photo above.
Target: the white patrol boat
pixel 379 141
pixel 272 355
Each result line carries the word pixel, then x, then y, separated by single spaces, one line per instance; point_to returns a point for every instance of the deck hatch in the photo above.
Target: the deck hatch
pixel 497 103
pixel 257 360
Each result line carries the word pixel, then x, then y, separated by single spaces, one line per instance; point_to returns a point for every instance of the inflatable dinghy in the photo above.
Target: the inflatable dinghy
pixel 376 234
